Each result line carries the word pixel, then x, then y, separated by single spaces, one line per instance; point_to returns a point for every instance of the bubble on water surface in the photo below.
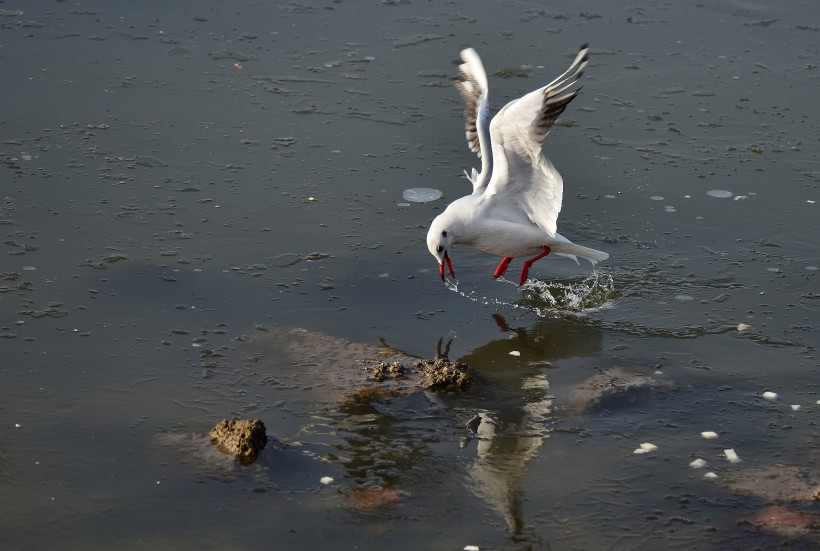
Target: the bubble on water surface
pixel 421 194
pixel 657 198
pixel 719 193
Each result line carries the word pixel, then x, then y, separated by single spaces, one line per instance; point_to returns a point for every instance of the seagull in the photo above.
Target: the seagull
pixel 516 197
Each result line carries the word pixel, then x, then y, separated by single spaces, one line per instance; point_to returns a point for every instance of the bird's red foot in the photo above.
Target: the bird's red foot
pixel 526 269
pixel 502 268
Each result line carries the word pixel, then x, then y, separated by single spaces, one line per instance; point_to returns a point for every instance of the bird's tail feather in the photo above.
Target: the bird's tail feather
pixel 572 251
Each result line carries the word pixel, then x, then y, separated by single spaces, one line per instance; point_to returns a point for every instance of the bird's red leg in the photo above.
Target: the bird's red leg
pixel 502 268
pixel 526 270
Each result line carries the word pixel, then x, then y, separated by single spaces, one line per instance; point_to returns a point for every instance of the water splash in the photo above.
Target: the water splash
pixel 550 298
pixel 593 291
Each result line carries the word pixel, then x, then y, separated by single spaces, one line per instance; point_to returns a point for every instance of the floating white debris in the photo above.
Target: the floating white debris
pixel 741 197
pixel 471 548
pixel 515 353
pixel 656 198
pixel 326 480
pixel 646 447
pixel 710 476
pixel 311 199
pixel 719 193
pixel 743 326
pixel 421 194
pixel 795 407
pixel 29 268
pixel 17 425
pixel 731 456
pixel 698 463
pixel 770 395
pixel 709 435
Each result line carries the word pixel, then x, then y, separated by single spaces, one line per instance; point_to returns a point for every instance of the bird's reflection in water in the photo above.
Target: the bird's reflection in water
pixel 512 406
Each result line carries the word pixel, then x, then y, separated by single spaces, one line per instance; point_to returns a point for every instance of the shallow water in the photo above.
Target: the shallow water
pixel 180 184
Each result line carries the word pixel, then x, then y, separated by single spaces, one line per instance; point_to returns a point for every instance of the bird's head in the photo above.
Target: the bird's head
pixel 439 241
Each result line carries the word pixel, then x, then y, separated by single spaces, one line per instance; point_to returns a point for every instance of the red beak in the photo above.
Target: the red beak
pixel 449 266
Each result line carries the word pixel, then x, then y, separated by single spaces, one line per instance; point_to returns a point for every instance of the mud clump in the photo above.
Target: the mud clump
pixel 612 389
pixel 384 370
pixel 778 483
pixel 243 438
pixel 443 374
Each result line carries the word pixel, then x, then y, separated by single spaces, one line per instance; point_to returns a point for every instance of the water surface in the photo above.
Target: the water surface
pixel 181 184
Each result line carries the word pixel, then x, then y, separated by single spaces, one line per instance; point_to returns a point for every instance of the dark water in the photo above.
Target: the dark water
pixel 168 173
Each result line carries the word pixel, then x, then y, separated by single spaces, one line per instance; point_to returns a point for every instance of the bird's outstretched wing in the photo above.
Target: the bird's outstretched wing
pixel 521 175
pixel 471 83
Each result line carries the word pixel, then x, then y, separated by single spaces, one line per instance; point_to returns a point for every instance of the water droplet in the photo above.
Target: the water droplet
pixel 421 194
pixel 720 193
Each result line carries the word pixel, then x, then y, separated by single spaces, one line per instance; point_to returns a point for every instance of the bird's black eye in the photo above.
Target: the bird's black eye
pixel 444 233
pixel 440 248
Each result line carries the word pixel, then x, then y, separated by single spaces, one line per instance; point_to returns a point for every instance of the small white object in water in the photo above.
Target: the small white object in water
pixel 770 395
pixel 710 476
pixel 29 268
pixel 311 199
pixel 646 447
pixel 17 425
pixel 731 456
pixel 326 480
pixel 471 548
pixel 697 463
pixel 743 326
pixel 719 193
pixel 795 407
pixel 515 353
pixel 709 435
pixel 656 198
pixel 421 194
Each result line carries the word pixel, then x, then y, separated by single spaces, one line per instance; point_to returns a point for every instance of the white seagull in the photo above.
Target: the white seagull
pixel 516 197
